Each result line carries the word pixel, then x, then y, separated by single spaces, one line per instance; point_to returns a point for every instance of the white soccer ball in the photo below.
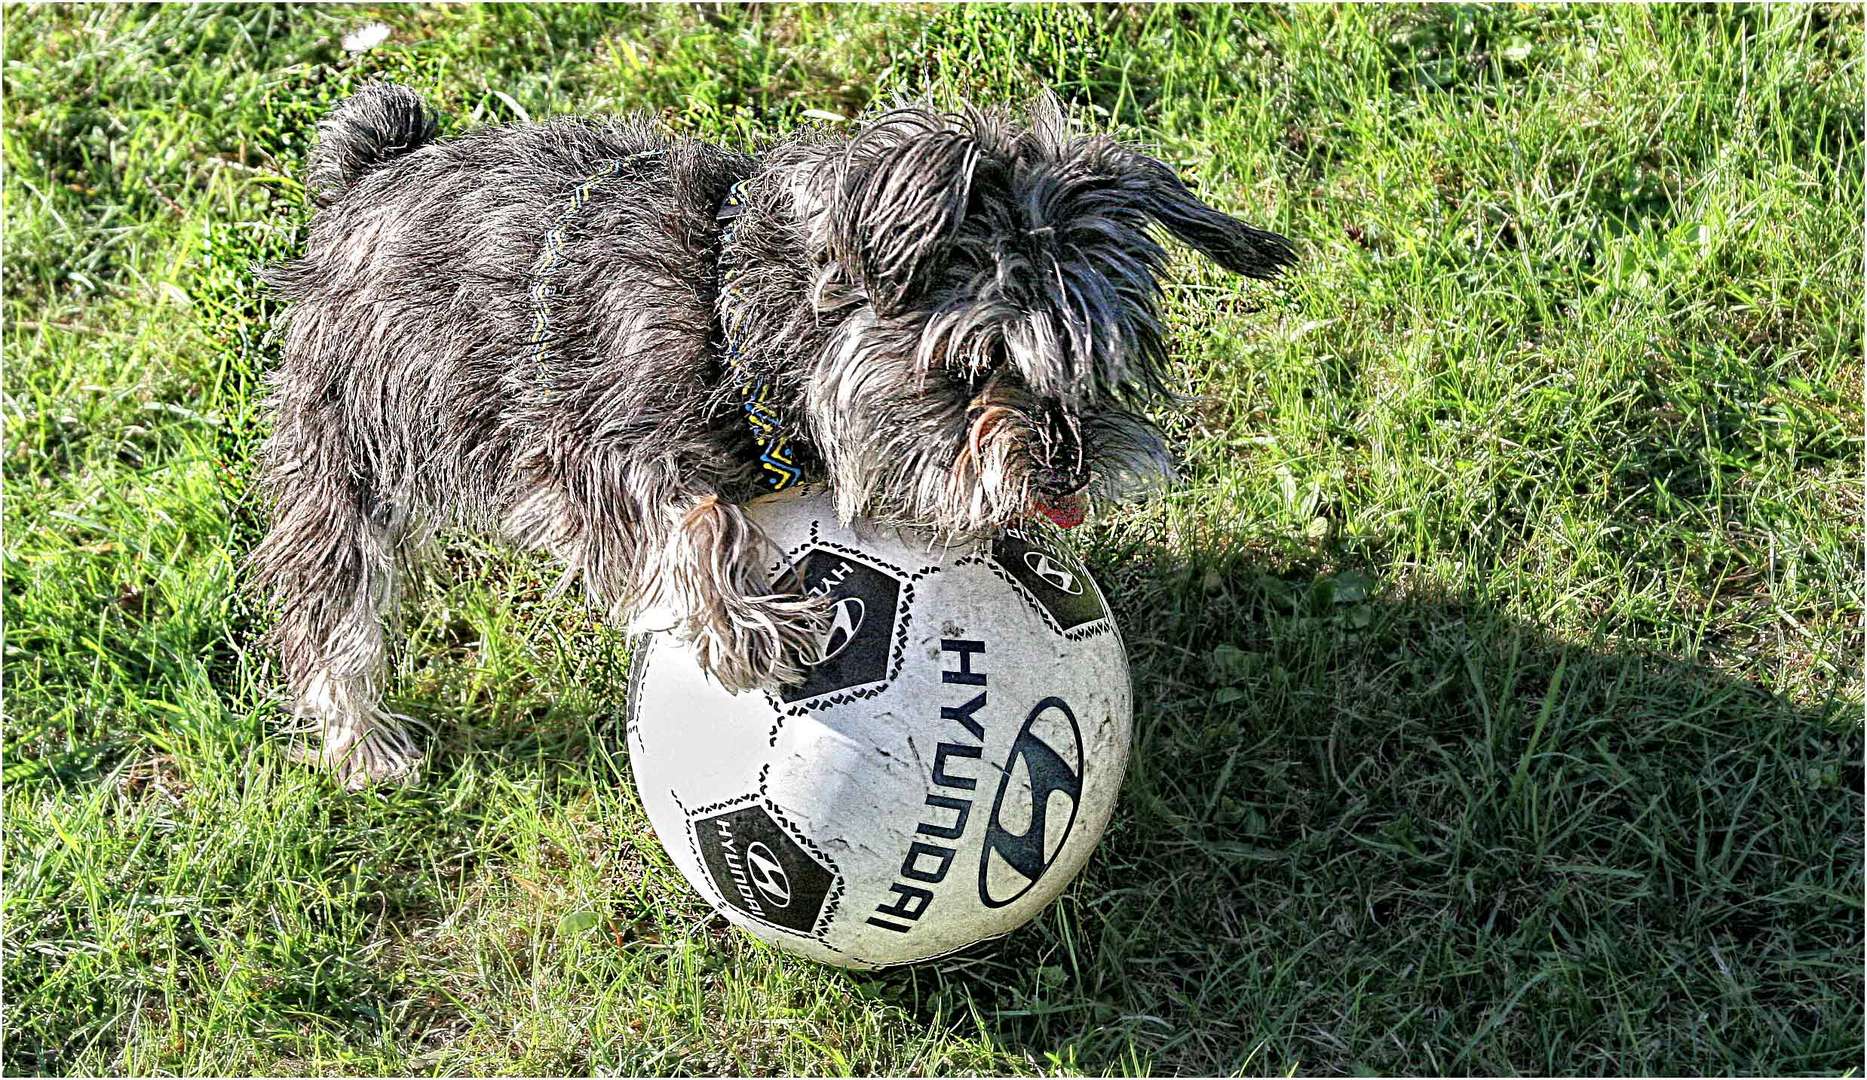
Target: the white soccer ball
pixel 936 780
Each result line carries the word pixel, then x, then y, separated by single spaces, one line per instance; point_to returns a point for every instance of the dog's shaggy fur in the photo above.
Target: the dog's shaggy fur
pixel 957 313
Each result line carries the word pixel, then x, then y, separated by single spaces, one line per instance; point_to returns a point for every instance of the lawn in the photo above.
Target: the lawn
pixel 1498 665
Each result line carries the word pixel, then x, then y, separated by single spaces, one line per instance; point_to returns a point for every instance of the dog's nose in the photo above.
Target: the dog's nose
pixel 1057 482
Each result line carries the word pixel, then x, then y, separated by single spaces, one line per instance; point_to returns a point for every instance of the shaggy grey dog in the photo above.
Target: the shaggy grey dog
pixel 597 339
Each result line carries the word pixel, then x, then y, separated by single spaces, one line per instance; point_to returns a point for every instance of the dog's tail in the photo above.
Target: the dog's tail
pixel 380 123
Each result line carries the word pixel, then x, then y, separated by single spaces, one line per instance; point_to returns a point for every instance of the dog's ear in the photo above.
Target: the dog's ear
pixel 898 206
pixel 1240 248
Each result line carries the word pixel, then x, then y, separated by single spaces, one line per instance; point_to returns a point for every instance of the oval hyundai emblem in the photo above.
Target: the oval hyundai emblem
pixel 1029 826
pixel 1055 576
pixel 767 876
pixel 844 623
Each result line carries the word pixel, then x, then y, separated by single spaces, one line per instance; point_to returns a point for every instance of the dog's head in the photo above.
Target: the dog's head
pixel 994 288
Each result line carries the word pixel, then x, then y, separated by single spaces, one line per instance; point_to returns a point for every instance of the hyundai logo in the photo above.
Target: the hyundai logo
pixel 843 626
pixel 1055 576
pixel 1048 752
pixel 767 876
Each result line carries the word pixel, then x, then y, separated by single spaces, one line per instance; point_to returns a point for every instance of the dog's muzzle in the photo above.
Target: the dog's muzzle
pixel 1063 480
pixel 1062 494
pixel 1066 511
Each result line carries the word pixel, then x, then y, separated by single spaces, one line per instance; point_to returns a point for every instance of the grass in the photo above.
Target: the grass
pixel 1498 667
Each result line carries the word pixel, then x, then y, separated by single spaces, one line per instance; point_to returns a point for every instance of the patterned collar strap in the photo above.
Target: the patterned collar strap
pixel 779 459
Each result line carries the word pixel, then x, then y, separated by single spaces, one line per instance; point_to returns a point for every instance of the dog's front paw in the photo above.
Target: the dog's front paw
pixel 764 642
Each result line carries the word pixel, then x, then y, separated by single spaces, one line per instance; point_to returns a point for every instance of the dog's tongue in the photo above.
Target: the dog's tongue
pixel 1067 511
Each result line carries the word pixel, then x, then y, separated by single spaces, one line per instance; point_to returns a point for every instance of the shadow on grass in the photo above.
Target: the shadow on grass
pixel 1367 830
pixel 1372 828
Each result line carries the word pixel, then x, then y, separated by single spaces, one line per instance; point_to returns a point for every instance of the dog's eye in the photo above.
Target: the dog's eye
pixel 978 367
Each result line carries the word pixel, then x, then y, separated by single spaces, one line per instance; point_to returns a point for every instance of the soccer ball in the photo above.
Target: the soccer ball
pixel 936 779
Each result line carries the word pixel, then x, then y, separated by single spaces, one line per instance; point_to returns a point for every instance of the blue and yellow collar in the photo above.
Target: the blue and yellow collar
pixel 779 460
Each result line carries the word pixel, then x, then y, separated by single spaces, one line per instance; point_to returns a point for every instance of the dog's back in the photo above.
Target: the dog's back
pixel 447 286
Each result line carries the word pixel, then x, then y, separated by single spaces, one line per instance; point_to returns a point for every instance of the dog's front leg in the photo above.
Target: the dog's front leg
pixel 680 557
pixel 712 572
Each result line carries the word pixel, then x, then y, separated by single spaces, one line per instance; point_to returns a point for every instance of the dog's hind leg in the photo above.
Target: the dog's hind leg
pixel 330 564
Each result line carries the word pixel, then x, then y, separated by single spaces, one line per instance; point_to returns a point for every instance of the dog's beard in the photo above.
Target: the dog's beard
pixel 1128 458
pixel 907 446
